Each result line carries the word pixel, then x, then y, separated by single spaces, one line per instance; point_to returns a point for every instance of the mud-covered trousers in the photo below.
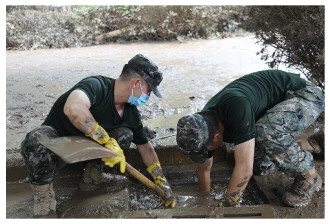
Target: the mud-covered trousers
pixel 276 148
pixel 43 165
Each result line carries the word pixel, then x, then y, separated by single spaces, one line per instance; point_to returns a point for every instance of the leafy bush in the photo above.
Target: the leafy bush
pixel 293 35
pixel 35 27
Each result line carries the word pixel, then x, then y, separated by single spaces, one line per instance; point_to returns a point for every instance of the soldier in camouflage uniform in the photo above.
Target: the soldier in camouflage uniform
pixel 278 128
pixel 105 110
pixel 261 113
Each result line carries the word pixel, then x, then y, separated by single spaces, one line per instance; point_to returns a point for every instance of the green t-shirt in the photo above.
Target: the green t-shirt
pixel 100 91
pixel 242 102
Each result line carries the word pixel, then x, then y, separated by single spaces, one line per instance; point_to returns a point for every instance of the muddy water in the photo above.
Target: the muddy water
pixel 188 196
pixel 75 200
pixel 193 72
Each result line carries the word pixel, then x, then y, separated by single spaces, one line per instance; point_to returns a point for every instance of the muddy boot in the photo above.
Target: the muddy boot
pixel 302 190
pixel 44 205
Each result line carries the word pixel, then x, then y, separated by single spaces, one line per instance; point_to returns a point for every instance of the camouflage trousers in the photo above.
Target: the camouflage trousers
pixel 43 165
pixel 276 148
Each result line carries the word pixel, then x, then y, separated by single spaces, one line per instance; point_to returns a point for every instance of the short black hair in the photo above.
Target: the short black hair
pixel 212 122
pixel 128 73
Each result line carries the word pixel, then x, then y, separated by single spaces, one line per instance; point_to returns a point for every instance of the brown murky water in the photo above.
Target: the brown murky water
pixel 118 193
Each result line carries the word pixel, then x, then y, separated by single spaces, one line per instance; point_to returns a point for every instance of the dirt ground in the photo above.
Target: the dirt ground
pixel 34 83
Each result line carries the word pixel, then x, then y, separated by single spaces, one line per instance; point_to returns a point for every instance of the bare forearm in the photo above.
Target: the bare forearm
pixel 204 181
pixel 148 154
pixel 76 108
pixel 243 170
pixel 204 175
pixel 238 182
pixel 81 118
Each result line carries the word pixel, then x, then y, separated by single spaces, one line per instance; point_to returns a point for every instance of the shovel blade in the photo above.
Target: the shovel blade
pixel 75 149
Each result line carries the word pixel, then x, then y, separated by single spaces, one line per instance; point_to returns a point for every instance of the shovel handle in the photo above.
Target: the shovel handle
pixel 144 180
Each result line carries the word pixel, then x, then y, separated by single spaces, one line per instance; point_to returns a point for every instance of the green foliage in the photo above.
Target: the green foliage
pixel 293 35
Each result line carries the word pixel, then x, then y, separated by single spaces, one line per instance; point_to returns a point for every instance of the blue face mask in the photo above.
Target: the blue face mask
pixel 138 101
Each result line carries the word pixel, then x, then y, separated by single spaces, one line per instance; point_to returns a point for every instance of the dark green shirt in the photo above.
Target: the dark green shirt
pixel 100 91
pixel 242 102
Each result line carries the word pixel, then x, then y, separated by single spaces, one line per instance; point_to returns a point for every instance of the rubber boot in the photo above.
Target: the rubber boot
pixel 302 190
pixel 44 203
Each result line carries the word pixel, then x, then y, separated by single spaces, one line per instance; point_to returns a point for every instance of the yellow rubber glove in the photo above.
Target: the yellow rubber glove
pixel 111 161
pixel 227 201
pixel 156 172
pixel 101 136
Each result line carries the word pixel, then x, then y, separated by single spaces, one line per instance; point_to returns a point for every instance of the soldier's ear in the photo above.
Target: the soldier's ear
pixel 134 82
pixel 217 136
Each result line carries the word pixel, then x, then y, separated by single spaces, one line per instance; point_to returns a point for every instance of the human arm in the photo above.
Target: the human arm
pixel 243 170
pixel 76 108
pixel 204 175
pixel 150 159
pixel 148 154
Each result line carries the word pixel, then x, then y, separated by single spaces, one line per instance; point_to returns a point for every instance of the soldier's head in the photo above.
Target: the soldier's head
pixel 199 133
pixel 143 70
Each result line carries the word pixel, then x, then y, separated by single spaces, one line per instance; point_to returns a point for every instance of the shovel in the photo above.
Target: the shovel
pixel 75 149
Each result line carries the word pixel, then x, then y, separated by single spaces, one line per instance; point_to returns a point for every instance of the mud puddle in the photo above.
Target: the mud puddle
pixel 188 196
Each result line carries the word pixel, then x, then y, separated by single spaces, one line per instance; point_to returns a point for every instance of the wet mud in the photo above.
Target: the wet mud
pixel 193 72
pixel 101 196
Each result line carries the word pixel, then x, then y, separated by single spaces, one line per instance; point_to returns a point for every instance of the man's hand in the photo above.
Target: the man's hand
pixel 227 201
pixel 156 172
pixel 101 136
pixel 111 161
